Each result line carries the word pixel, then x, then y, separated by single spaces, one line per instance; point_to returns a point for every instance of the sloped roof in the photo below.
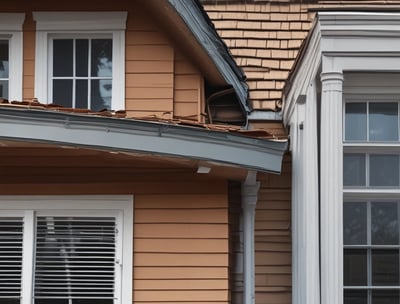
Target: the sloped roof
pixel 265 38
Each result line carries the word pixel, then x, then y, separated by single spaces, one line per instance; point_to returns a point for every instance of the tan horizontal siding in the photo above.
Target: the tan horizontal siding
pixel 149 68
pixel 29 59
pixel 181 248
pixel 273 238
pixel 188 90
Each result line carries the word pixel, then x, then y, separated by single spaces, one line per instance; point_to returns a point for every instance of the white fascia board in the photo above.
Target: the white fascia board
pixel 361 24
pixel 141 136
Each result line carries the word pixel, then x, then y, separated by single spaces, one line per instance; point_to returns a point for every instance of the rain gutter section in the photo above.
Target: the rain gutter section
pixel 142 136
pixel 203 30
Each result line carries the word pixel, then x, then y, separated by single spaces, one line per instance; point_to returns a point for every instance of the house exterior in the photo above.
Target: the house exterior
pixel 332 67
pixel 129 171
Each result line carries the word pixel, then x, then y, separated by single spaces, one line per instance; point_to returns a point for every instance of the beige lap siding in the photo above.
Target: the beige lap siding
pixel 273 238
pixel 181 248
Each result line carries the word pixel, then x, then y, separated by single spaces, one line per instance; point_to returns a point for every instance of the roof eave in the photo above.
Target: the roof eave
pixel 142 136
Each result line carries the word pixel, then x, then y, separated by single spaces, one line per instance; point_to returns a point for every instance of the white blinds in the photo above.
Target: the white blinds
pixel 75 257
pixel 11 235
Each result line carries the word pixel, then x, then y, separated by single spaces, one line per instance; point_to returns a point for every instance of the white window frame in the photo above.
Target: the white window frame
pixel 367 194
pixel 119 205
pixel 11 30
pixel 50 24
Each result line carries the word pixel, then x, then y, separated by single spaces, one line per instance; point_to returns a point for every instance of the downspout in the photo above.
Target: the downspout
pixel 250 189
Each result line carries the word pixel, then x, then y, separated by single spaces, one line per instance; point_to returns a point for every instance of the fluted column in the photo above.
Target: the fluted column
pixel 331 159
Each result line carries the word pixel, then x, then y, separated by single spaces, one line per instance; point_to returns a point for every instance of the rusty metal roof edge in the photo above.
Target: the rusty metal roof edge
pixel 142 136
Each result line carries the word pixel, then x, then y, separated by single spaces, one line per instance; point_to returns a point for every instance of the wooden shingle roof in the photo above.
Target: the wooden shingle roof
pixel 265 37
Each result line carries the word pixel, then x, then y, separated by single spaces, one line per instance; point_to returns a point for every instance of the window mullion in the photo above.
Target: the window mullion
pixel 74 73
pixel 27 257
pixel 89 100
pixel 367 121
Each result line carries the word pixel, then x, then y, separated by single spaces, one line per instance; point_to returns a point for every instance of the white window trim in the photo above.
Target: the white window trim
pixel 11 28
pixel 123 204
pixel 48 23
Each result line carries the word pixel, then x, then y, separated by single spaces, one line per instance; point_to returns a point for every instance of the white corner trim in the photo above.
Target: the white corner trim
pixel 250 189
pixel 80 21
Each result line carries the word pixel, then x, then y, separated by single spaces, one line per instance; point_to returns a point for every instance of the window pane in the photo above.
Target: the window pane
pixel 4 59
pixel 385 297
pixel 62 57
pixel 101 95
pixel 82 57
pixel 385 267
pixel 355 267
pixel 355 223
pixel 4 89
pixel 62 92
pixel 81 100
pixel 354 170
pixel 355 296
pixel 356 121
pixel 384 224
pixel 384 170
pixel 383 121
pixel 101 57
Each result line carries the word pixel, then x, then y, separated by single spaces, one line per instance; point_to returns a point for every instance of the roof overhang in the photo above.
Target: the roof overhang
pixel 152 138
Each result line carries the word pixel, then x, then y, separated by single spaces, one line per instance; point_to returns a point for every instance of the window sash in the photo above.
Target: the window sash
pixel 370 193
pixel 95 101
pixel 77 24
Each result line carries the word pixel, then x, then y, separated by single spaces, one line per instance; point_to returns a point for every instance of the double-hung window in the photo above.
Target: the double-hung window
pixel 80 59
pixel 71 250
pixel 11 55
pixel 371 210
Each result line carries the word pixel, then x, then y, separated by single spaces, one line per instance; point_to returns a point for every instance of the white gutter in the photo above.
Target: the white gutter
pixel 250 189
pixel 141 136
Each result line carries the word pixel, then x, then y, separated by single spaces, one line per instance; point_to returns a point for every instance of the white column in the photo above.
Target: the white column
pixel 331 159
pixel 310 215
pixel 249 200
pixel 305 200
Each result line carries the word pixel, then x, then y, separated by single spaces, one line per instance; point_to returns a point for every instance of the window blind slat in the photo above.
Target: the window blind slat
pixel 11 234
pixel 75 257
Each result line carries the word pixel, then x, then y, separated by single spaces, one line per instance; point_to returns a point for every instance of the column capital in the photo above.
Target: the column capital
pixel 331 76
pixel 332 81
